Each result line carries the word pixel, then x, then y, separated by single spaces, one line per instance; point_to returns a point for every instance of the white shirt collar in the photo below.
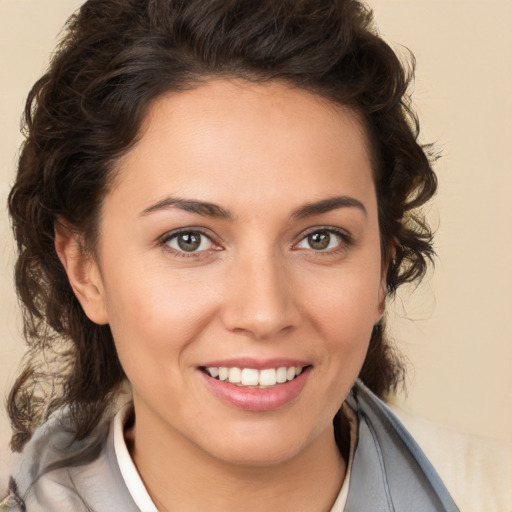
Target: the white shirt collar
pixel 130 474
pixel 341 500
pixel 140 495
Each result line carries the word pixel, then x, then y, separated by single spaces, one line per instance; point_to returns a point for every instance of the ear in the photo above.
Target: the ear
pixel 382 296
pixel 83 272
pixel 383 289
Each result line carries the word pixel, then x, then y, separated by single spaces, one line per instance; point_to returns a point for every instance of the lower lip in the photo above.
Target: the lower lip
pixel 257 399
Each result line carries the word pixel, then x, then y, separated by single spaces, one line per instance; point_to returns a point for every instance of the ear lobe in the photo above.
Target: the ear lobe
pixel 382 293
pixel 383 289
pixel 82 271
pixel 382 297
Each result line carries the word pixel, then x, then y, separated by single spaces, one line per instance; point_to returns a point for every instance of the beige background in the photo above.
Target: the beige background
pixel 456 329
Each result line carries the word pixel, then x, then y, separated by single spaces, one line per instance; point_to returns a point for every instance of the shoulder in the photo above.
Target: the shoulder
pixel 476 470
pixel 59 473
pixel 42 474
pixel 9 495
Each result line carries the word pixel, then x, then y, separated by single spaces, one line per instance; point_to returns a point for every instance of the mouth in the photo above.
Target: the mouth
pixel 253 378
pixel 256 385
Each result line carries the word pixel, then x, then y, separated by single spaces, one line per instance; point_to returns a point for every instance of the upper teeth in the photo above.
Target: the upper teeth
pixel 253 377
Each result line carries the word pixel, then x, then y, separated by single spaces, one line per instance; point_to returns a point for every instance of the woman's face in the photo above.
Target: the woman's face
pixel 240 241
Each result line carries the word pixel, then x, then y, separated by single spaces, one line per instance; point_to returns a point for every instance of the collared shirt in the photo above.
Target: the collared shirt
pixel 140 494
pixel 388 471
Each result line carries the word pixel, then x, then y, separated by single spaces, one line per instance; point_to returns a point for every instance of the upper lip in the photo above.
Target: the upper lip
pixel 257 364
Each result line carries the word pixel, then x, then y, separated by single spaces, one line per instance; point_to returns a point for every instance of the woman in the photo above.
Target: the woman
pixel 213 202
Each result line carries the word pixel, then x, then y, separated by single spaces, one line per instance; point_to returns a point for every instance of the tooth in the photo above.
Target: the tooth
pixel 223 373
pixel 213 371
pixel 281 375
pixel 268 377
pixel 235 375
pixel 250 377
pixel 290 373
pixel 298 371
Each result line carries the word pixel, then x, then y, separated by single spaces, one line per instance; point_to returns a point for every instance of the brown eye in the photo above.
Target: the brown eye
pixel 189 241
pixel 323 240
pixel 319 241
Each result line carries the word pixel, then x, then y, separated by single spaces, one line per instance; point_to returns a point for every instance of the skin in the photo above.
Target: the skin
pixel 256 288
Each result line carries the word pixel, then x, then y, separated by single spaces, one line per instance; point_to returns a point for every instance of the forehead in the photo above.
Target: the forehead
pixel 257 141
pixel 221 104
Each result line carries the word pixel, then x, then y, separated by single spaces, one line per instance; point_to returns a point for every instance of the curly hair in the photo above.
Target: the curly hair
pixel 115 58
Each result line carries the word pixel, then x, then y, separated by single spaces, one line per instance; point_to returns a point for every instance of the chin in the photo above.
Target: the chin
pixel 261 447
pixel 251 455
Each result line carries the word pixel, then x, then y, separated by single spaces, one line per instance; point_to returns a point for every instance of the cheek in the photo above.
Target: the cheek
pixel 154 323
pixel 153 313
pixel 346 305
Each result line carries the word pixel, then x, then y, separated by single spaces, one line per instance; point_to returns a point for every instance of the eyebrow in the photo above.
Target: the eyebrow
pixel 213 210
pixel 190 205
pixel 327 205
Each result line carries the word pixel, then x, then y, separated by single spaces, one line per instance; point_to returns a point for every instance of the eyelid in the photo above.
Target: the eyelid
pixel 163 241
pixel 345 236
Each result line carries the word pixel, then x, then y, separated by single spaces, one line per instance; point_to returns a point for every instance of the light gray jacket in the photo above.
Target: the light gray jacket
pixel 390 473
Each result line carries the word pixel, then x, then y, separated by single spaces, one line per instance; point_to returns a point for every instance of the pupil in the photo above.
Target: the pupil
pixel 319 240
pixel 189 241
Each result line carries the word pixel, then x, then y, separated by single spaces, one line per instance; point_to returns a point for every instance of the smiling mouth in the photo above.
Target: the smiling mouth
pixel 252 378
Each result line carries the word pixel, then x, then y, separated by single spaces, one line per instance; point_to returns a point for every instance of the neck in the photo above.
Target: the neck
pixel 179 475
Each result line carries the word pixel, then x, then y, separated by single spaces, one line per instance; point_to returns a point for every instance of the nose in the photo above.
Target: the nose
pixel 260 299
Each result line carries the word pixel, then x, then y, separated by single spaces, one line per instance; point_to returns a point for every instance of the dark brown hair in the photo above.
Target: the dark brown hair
pixel 117 56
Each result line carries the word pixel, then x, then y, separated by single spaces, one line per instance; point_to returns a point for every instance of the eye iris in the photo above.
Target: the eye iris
pixel 189 241
pixel 319 240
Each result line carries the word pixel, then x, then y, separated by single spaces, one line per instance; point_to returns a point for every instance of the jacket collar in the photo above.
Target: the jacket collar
pixel 390 473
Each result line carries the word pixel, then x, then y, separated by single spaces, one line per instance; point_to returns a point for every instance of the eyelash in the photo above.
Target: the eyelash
pixel 164 242
pixel 346 241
